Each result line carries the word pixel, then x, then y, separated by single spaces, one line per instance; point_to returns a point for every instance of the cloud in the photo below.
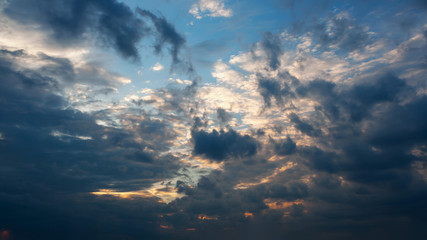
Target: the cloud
pixel 157 67
pixel 114 21
pixel 304 127
pixel 326 137
pixel 286 147
pixel 181 82
pixel 166 33
pixel 49 142
pixel 341 31
pixel 210 8
pixel 110 22
pixel 332 127
pixel 279 89
pixel 272 46
pixel 223 116
pixel 218 146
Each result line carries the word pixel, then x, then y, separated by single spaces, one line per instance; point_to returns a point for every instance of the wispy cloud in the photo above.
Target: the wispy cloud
pixel 210 8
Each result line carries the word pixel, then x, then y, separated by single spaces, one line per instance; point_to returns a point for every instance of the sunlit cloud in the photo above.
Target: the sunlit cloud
pixel 210 8
pixel 206 217
pixel 266 179
pixel 158 190
pixel 64 136
pixel 157 67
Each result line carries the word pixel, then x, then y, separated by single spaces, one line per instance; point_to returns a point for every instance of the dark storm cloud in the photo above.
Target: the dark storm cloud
pixel 53 156
pixel 111 21
pixel 320 160
pixel 291 192
pixel 218 146
pixel 286 147
pixel 268 89
pixel 223 116
pixel 362 163
pixel 84 218
pixel 359 166
pixel 279 89
pixel 272 46
pixel 214 196
pixel 351 106
pixel 356 175
pixel 304 127
pixel 356 102
pixel 70 20
pixel 403 126
pixel 371 131
pixel 385 89
pixel 359 177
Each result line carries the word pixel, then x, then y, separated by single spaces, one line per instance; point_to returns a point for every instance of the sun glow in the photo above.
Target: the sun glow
pixel 164 194
pixel 266 179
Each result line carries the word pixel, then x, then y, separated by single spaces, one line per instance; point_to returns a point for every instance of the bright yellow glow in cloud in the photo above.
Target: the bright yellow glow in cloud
pixel 165 194
pixel 266 179
pixel 274 204
pixel 248 215
pixel 283 206
pixel 206 217
pixel 200 162
pixel 166 227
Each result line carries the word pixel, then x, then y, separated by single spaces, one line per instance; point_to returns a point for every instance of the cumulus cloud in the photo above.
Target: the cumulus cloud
pixel 220 145
pixel 157 67
pixel 210 8
pixel 344 134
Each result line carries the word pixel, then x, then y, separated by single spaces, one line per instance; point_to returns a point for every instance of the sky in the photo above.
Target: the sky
pixel 213 119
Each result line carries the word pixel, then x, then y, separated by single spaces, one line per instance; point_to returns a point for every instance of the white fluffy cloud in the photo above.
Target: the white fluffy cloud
pixel 210 8
pixel 157 67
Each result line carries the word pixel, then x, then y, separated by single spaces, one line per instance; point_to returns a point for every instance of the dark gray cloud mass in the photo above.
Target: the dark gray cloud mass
pixel 278 89
pixel 341 31
pixel 304 127
pixel 286 147
pixel 272 46
pixel 220 145
pixel 223 116
pixel 113 22
pixel 48 162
